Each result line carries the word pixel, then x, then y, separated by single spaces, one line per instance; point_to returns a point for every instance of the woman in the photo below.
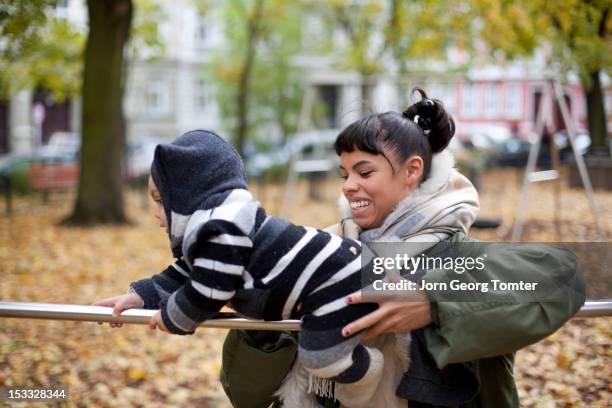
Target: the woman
pixel 401 186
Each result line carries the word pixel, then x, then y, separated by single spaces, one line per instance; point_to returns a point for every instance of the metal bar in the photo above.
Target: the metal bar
pixel 52 311
pixel 292 176
pixel 582 169
pixel 546 175
pixel 598 308
pixel 532 161
pixel 84 313
pixel 6 181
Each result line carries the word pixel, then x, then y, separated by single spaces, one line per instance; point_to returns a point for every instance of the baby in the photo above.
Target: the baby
pixel 224 241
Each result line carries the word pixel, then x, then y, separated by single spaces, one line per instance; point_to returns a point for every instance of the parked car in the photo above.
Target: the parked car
pixel 484 137
pixel 139 157
pixel 14 172
pixel 512 153
pixel 582 141
pixel 62 147
pixel 515 152
pixel 313 144
pixel 18 169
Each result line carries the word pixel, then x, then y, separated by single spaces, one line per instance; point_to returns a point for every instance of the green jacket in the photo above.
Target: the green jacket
pixel 486 333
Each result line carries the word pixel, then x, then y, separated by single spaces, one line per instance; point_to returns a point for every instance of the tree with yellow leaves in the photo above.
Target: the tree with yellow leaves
pixel 579 33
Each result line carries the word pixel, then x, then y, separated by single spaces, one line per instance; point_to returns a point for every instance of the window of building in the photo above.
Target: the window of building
pixel 156 97
pixel 201 29
pixel 514 106
pixel 491 100
pixel 328 98
pixel 314 32
pixel 199 95
pixel 470 100
pixel 443 92
pixel 61 9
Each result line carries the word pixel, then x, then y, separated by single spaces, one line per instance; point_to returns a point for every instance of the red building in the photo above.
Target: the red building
pixel 513 105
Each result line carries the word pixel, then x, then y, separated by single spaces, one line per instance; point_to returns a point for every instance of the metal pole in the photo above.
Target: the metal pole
pixel 582 169
pixel 292 176
pixel 7 184
pixel 598 308
pixel 532 161
pixel 49 311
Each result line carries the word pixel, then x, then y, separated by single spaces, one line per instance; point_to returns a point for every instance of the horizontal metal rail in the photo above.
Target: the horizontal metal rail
pixel 597 308
pixel 52 311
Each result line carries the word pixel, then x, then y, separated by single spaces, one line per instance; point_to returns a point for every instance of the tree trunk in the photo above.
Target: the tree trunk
pixel 393 41
pixel 244 89
pixel 596 115
pixel 403 93
pixel 367 90
pixel 100 195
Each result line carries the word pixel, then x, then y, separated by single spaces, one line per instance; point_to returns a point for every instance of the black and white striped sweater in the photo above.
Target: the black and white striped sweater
pixel 302 273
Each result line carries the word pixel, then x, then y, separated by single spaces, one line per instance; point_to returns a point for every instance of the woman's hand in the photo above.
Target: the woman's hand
pixel 120 303
pixel 393 316
pixel 156 322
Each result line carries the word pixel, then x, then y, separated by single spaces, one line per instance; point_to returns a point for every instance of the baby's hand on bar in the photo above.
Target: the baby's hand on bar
pixel 120 303
pixel 156 322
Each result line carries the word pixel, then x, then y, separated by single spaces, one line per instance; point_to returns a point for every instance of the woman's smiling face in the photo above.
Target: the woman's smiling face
pixel 373 187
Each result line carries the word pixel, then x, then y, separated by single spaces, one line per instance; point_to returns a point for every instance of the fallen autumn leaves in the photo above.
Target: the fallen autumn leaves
pixel 133 366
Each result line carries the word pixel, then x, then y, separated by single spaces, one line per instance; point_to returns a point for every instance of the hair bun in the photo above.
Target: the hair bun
pixel 426 110
pixel 437 124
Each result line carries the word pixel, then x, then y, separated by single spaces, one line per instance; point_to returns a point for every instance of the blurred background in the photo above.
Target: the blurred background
pixel 89 88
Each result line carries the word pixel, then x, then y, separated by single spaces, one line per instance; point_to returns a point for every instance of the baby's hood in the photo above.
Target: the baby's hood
pixel 197 171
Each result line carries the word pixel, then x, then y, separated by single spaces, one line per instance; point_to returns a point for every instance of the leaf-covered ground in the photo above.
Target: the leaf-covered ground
pixel 133 366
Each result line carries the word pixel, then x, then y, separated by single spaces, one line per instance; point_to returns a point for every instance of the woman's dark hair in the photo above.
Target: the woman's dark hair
pixel 422 129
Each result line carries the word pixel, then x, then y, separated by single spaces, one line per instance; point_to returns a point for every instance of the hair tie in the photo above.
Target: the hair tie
pixel 420 124
pixel 425 109
pixel 427 104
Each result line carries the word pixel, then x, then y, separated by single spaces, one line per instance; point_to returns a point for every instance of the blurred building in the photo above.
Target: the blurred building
pixel 168 95
pixel 505 98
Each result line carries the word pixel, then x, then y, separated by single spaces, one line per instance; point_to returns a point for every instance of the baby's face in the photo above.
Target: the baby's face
pixel 160 214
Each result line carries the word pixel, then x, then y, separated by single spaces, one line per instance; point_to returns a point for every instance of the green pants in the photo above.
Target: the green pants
pixel 255 364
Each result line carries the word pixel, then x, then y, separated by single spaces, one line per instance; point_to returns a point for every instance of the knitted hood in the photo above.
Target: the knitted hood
pixel 197 171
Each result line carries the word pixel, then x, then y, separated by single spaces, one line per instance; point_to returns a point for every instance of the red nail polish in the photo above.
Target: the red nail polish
pixel 349 299
pixel 346 332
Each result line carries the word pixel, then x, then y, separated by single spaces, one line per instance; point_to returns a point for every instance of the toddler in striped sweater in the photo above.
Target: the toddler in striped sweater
pixel 224 242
